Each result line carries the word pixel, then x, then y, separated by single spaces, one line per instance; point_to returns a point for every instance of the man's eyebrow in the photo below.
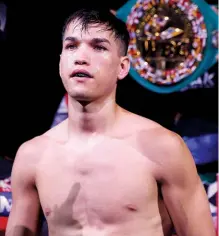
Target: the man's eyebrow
pixel 72 39
pixel 93 40
pixel 100 40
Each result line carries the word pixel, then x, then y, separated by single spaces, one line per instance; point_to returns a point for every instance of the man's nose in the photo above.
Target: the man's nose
pixel 81 62
pixel 82 57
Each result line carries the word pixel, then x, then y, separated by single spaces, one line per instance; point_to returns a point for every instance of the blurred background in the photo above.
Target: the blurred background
pixel 32 97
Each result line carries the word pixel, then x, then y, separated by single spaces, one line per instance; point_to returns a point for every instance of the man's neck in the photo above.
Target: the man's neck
pixel 93 118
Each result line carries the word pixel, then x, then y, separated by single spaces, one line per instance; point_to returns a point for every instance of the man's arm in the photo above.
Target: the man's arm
pixel 183 191
pixel 23 218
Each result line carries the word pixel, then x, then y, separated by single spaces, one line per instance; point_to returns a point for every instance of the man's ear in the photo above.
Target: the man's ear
pixel 124 67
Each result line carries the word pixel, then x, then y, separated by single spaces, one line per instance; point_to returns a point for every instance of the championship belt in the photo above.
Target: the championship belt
pixel 172 42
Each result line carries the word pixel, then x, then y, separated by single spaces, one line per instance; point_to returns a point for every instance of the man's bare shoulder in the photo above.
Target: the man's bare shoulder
pixel 164 148
pixel 35 147
pixel 155 141
pixel 160 140
pixel 32 148
pixel 28 156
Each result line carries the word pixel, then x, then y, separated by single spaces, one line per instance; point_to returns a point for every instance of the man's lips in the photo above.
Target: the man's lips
pixel 81 74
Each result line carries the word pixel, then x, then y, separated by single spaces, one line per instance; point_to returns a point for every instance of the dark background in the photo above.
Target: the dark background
pixel 31 89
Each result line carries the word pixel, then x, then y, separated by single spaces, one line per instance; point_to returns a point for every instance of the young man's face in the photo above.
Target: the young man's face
pixel 91 62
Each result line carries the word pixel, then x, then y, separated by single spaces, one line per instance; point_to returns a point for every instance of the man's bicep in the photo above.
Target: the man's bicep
pixel 24 214
pixel 189 209
pixel 23 218
pixel 184 194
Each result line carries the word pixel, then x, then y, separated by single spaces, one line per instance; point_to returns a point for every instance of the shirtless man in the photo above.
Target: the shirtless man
pixel 105 171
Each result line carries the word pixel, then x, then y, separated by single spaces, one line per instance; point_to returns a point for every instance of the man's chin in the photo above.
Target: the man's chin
pixel 82 98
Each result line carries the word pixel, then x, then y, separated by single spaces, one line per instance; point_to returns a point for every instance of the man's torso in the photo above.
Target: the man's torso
pixel 107 188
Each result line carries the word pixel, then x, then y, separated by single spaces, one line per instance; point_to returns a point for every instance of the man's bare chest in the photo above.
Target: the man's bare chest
pixel 105 181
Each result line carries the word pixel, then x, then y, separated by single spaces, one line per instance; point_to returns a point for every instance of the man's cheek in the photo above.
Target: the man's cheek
pixel 96 70
pixel 98 65
pixel 101 68
pixel 104 64
pixel 70 61
pixel 106 56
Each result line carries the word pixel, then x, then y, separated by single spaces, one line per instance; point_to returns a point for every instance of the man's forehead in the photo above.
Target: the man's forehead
pixel 75 29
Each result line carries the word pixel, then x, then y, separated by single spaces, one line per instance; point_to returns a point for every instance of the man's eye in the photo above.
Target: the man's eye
pixel 70 46
pixel 100 48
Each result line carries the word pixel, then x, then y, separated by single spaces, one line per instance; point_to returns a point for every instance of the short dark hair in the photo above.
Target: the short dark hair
pixel 103 17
